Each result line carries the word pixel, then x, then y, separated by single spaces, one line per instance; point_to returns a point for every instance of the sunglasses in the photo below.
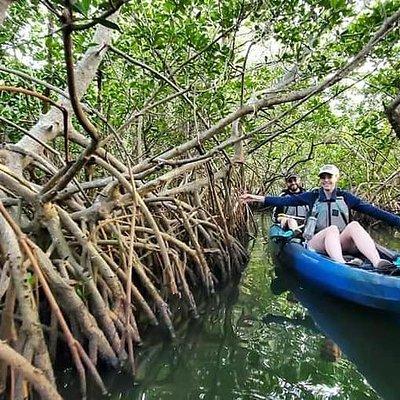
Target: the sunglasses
pixel 326 175
pixel 292 180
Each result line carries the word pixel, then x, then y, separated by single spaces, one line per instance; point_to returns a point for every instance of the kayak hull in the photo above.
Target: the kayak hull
pixel 360 286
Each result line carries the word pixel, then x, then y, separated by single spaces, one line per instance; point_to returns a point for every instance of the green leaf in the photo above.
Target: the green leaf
pixel 92 44
pixel 86 5
pixel 82 7
pixel 31 278
pixel 107 23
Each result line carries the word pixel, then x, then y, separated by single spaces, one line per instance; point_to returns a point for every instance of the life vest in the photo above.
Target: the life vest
pixel 330 212
pixel 297 211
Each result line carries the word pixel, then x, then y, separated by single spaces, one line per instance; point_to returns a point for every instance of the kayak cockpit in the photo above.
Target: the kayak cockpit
pixel 282 237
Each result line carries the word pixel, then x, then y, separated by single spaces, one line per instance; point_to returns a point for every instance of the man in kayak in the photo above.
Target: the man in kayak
pixel 283 214
pixel 330 208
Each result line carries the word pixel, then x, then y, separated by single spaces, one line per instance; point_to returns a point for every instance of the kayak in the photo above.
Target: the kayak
pixel 361 285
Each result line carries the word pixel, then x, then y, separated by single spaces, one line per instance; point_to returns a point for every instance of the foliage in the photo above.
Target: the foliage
pixel 317 37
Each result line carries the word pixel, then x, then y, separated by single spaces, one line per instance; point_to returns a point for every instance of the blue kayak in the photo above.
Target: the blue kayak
pixel 359 285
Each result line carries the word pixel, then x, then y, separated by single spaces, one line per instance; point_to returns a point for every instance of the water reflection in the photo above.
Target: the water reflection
pixel 368 338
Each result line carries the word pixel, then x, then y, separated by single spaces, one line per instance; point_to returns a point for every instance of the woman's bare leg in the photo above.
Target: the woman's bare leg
pixel 355 236
pixel 328 241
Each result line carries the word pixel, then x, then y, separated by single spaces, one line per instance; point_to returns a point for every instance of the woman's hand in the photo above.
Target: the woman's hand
pixel 251 198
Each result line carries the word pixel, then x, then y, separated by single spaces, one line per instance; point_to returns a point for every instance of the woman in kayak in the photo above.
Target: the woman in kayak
pixel 330 206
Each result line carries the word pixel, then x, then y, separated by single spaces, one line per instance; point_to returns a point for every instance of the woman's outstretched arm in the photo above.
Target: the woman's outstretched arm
pixel 302 199
pixel 358 204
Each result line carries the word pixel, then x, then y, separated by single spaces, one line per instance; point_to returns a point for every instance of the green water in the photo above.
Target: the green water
pixel 258 341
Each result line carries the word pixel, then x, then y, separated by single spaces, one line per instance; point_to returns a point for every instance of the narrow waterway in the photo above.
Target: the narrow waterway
pixel 263 341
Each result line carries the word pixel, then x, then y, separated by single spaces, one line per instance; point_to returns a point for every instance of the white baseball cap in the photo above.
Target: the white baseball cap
pixel 329 169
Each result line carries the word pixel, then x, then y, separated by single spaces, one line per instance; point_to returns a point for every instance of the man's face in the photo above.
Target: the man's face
pixel 293 184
